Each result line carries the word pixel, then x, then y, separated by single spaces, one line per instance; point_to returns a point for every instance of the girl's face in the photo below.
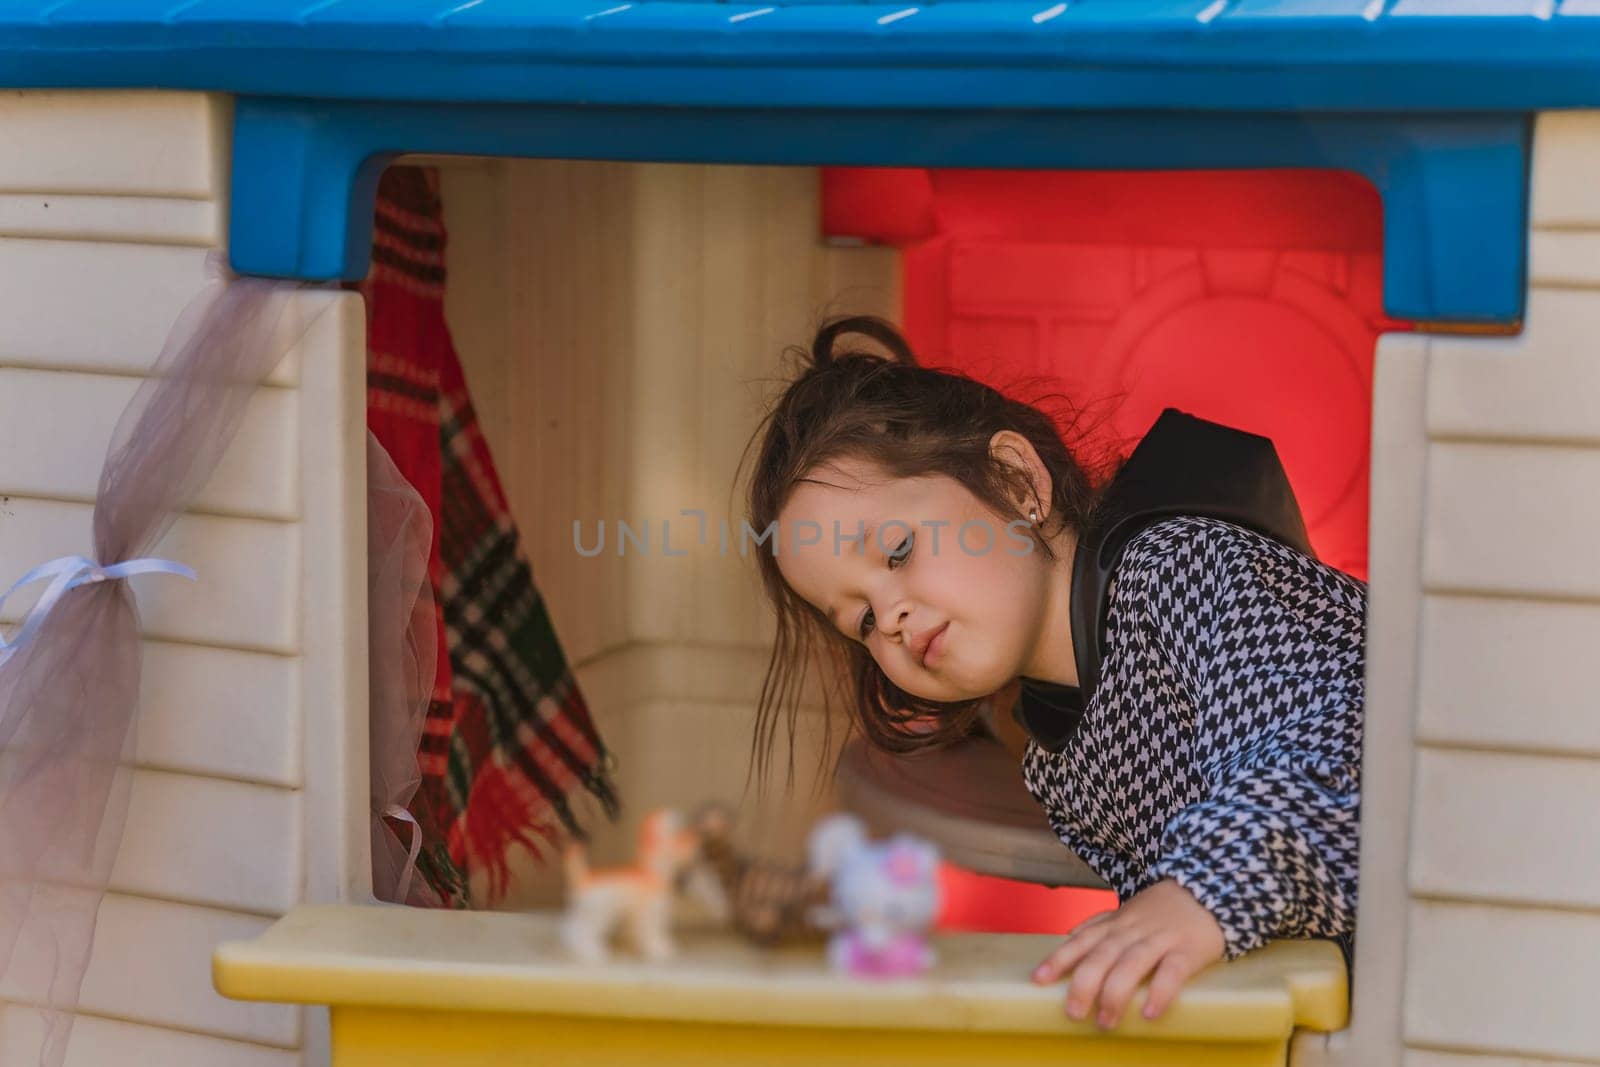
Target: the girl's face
pixel 946 597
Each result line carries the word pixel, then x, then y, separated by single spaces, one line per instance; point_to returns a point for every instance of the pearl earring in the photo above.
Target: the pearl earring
pixel 1033 517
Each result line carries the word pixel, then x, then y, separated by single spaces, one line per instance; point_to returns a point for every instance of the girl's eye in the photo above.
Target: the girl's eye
pixel 901 553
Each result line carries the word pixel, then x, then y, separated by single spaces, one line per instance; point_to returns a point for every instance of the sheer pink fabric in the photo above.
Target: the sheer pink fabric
pixel 69 696
pixel 403 644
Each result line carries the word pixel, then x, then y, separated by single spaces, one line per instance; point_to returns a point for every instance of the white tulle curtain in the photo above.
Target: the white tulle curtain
pixel 69 677
pixel 402 643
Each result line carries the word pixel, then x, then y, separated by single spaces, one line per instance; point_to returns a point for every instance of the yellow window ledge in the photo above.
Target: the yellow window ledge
pixel 470 989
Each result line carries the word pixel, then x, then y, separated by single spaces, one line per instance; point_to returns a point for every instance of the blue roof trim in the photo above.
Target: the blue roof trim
pixel 1239 55
pixel 1454 187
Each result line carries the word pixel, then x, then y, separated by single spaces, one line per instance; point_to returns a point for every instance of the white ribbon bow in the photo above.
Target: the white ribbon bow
pixel 69 572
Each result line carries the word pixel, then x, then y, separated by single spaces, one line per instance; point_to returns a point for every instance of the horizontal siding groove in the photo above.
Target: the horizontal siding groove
pixel 155 767
pixel 274 786
pixel 170 642
pixel 1528 598
pixel 31 1004
pixel 599 656
pixel 105 1040
pixel 7 363
pixel 205 512
pixel 222 646
pixel 1501 441
pixel 1542 596
pixel 12 230
pixel 180 642
pixel 254 650
pixel 1502 903
pixel 210 776
pixel 1447 745
pixel 230 909
pixel 1564 226
pixel 1474 1054
pixel 620 648
pixel 164 221
pixel 134 894
pixel 176 1028
pixel 282 377
pixel 1565 286
pixel 177 196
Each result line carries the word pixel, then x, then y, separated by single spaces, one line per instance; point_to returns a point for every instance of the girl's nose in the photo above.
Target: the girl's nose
pixel 894 624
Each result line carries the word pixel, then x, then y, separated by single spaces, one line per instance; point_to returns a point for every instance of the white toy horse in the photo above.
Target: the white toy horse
pixel 639 896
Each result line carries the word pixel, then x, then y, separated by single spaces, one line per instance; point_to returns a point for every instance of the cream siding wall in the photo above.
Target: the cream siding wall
pixel 1493 959
pixel 250 723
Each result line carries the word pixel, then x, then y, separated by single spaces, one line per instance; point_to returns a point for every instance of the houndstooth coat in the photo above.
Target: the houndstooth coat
pixel 1222 746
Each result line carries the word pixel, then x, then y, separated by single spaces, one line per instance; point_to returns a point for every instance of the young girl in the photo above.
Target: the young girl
pixel 1211 778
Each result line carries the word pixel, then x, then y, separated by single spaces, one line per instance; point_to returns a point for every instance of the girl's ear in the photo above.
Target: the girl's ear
pixel 1018 453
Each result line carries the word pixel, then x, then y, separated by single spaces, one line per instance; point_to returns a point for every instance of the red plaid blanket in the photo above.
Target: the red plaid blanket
pixel 508 745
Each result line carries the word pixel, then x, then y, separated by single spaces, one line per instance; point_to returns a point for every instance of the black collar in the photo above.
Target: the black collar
pixel 1050 713
pixel 1183 466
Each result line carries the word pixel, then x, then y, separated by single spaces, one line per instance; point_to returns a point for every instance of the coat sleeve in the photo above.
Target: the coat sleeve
pixel 1269 647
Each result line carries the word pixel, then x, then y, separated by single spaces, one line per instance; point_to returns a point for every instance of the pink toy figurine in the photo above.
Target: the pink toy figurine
pixel 885 897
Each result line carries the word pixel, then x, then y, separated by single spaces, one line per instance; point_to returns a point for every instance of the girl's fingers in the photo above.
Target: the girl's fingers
pixel 1063 959
pixel 1130 969
pixel 1174 970
pixel 1090 972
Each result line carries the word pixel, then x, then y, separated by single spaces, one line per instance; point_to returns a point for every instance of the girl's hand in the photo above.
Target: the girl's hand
pixel 1161 929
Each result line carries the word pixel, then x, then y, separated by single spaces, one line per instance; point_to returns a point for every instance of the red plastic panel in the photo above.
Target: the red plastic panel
pixel 998 905
pixel 1250 297
pixel 1253 298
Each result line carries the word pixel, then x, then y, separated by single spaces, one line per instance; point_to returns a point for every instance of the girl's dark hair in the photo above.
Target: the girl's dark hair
pixel 908 420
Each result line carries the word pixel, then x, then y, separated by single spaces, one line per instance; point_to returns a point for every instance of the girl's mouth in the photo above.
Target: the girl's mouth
pixel 935 646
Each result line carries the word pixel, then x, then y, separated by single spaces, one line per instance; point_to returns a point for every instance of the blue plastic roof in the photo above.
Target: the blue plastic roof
pixel 1430 99
pixel 1251 55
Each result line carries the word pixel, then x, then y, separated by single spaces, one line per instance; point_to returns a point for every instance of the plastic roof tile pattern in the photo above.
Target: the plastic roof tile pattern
pixel 1506 55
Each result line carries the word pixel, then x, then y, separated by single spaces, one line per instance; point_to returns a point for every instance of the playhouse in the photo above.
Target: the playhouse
pixel 1368 230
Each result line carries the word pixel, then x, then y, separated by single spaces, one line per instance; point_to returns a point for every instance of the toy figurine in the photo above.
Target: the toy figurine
pixel 769 903
pixel 640 896
pixel 885 898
